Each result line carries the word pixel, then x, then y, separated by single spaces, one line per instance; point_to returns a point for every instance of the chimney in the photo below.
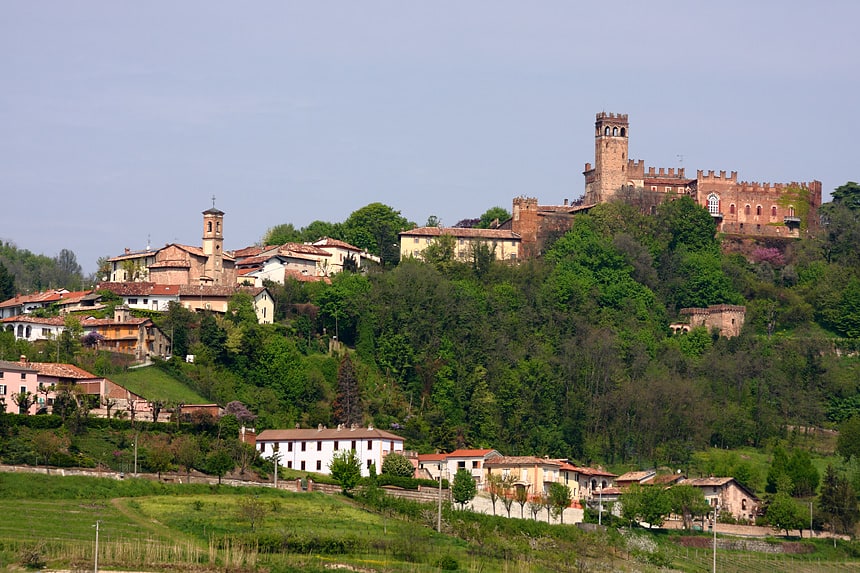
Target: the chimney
pixel 565 202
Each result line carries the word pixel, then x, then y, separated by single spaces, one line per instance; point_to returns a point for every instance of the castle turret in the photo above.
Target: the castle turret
pixel 609 174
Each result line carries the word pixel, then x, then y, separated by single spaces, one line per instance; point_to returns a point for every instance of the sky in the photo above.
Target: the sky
pixel 119 121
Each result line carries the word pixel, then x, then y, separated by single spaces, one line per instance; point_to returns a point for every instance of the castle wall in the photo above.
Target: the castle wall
pixel 726 318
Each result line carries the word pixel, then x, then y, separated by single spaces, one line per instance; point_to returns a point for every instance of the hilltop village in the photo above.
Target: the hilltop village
pixel 122 315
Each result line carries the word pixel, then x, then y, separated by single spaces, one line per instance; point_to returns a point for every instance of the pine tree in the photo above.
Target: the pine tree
pixel 346 408
pixel 838 502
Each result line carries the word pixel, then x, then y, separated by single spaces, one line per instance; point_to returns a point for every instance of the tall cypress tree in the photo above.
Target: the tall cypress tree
pixel 7 283
pixel 346 408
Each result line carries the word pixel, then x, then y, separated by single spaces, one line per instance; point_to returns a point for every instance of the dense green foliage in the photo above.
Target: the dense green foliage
pixel 33 273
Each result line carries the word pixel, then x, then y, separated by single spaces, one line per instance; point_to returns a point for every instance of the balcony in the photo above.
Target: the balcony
pixel 792 222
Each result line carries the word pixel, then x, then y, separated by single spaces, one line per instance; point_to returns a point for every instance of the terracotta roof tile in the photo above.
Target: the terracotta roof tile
pixel 325 434
pixel 500 234
pixel 521 461
pixel 61 370
pixel 329 242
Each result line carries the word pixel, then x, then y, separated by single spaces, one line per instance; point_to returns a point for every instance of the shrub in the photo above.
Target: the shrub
pixel 397 465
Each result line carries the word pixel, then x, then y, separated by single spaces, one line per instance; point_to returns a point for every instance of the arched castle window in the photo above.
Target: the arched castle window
pixel 614 131
pixel 217 226
pixel 747 210
pixel 606 131
pixel 758 210
pixel 623 132
pixel 773 211
pixel 209 226
pixel 791 210
pixel 732 208
pixel 713 204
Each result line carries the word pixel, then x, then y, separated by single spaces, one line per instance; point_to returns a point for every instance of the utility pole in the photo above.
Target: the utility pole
pixel 96 568
pixel 135 453
pixel 714 525
pixel 439 514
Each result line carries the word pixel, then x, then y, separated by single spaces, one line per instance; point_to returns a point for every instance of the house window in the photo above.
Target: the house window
pixel 476 464
pixel 391 446
pixel 303 465
pixel 353 444
pixel 335 445
pixel 146 301
pixel 758 210
pixel 132 301
pixel 46 331
pixel 713 204
pixel 791 211
pixel 304 447
pixel 23 377
pixel 668 189
pixel 369 463
pixel 369 445
pixel 461 465
pixel 2 389
pixel 23 389
pixel 773 211
pixel 319 446
pixel 289 446
pixel 416 240
pixel 1 375
pixel 653 188
pixel 276 447
pixel 319 465
pixel 290 464
pixel 744 504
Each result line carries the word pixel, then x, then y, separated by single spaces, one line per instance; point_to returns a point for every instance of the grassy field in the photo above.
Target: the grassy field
pixel 155 384
pixel 149 526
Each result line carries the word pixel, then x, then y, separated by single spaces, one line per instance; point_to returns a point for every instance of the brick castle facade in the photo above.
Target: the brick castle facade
pixel 773 210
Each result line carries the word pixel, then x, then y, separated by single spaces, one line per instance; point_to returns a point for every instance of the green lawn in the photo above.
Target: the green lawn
pixel 154 384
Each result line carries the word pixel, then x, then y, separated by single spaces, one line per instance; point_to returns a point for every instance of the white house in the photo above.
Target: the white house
pixel 144 295
pixel 313 450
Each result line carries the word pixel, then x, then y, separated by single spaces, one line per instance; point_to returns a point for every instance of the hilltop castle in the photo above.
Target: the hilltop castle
pixel 743 208
pixel 780 210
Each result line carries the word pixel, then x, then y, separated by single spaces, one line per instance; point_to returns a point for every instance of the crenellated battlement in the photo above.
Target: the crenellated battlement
pixel 523 201
pixel 721 177
pixel 663 172
pixel 616 116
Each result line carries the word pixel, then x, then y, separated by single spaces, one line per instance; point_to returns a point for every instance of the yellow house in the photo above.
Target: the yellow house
pixel 504 244
pixel 533 473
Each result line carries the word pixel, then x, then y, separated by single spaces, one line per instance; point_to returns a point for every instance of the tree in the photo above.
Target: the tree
pixel 521 495
pixel 159 456
pixel 440 252
pixel 68 269
pixel 186 451
pixel 252 509
pixel 109 404
pixel 345 469
pixel 838 502
pixel 493 215
pixel 507 493
pixel 804 476
pixel 464 489
pixel 283 233
pixel 783 513
pixel 24 400
pixel 847 195
pixel 848 442
pixel 399 465
pixel 375 227
pixel 7 283
pixel 688 502
pixel 240 309
pixel 649 504
pixel 560 499
pixel 70 339
pixel 494 488
pixel 535 505
pixel 220 461
pixel 48 443
pixel 346 408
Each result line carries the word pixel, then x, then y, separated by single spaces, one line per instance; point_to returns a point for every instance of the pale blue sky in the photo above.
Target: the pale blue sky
pixel 120 120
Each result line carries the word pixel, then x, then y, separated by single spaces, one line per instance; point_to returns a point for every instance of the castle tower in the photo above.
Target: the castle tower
pixel 610 158
pixel 213 244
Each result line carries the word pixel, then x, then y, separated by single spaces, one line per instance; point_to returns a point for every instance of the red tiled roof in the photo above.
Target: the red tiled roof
pixel 140 289
pixel 40 297
pixel 303 278
pixel 325 434
pixel 217 290
pixel 27 318
pixel 521 461
pixel 251 251
pixel 463 233
pixel 133 255
pixel 16 366
pixel 469 453
pixel 432 457
pixel 61 370
pixel 635 476
pixel 329 242
pixel 91 322
pixel 302 248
